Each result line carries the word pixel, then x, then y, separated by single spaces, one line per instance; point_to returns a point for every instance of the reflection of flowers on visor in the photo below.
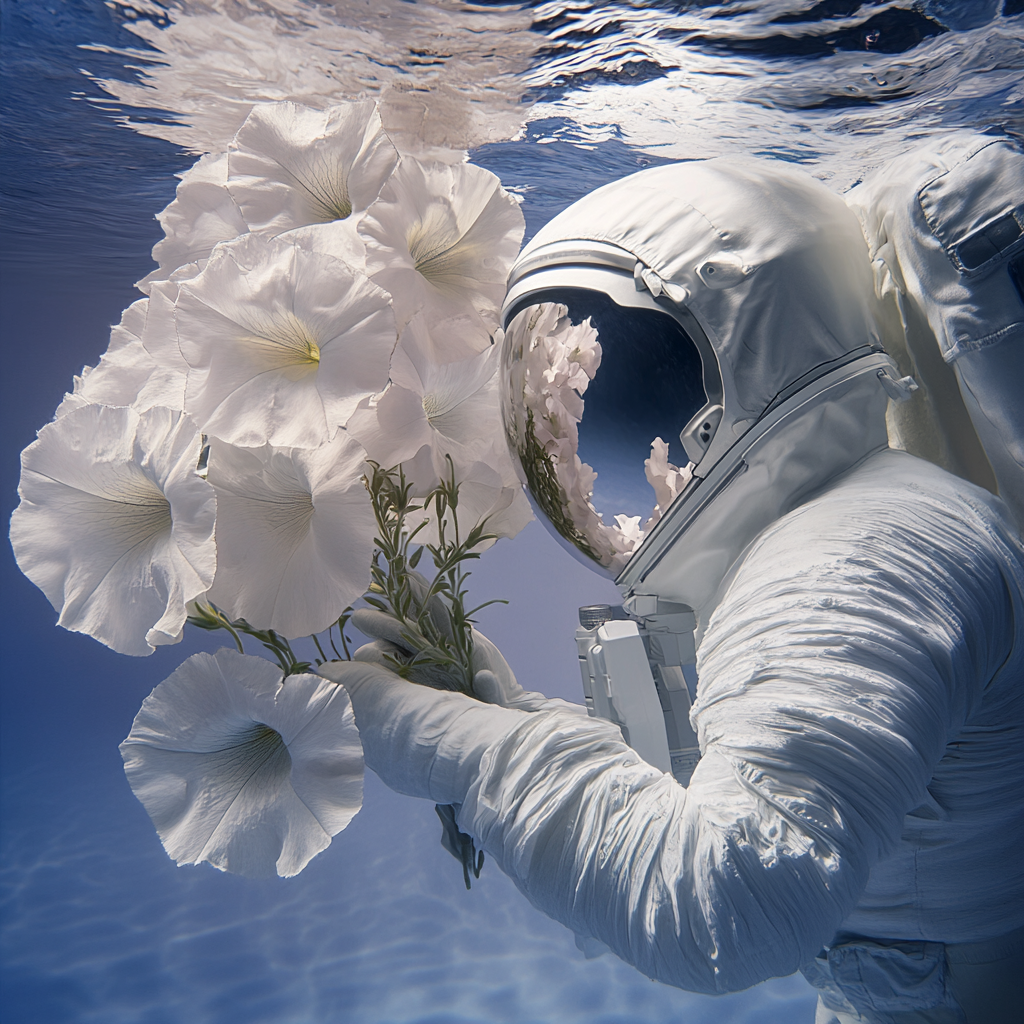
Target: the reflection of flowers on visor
pixel 589 475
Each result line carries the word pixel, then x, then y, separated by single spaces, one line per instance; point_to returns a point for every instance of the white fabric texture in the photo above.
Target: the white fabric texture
pixel 784 298
pixel 861 722
pixel 420 741
pixel 945 226
pixel 797 271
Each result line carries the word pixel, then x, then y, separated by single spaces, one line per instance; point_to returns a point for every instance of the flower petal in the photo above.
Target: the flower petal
pixel 291 165
pixel 282 343
pixel 338 238
pixel 201 215
pixel 484 497
pixel 115 525
pixel 442 240
pixel 295 532
pixel 392 427
pixel 122 370
pixel 243 769
pixel 451 406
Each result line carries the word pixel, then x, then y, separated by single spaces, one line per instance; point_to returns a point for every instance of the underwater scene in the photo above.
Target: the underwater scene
pixel 106 105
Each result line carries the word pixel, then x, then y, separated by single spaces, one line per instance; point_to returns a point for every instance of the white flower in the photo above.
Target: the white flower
pixel 631 531
pixel 122 370
pixel 201 215
pixel 486 497
pixel 288 166
pixel 337 238
pixel 451 407
pixel 549 365
pixel 243 769
pixel 667 480
pixel 295 532
pixel 291 165
pixel 166 384
pixel 115 525
pixel 442 239
pixel 282 343
pixel 142 366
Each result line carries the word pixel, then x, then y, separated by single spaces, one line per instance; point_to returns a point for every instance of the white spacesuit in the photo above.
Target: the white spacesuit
pixel 857 808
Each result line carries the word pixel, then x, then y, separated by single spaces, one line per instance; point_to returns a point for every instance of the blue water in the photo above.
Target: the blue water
pixel 98 925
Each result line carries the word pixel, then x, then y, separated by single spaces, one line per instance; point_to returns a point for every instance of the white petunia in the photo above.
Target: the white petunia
pixel 337 238
pixel 122 370
pixel 166 384
pixel 549 363
pixel 201 215
pixel 282 343
pixel 667 480
pixel 142 366
pixel 115 525
pixel 441 239
pixel 451 407
pixel 291 165
pixel 485 497
pixel 244 769
pixel 295 532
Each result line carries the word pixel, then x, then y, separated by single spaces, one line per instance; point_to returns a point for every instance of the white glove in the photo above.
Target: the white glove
pixel 493 681
pixel 419 741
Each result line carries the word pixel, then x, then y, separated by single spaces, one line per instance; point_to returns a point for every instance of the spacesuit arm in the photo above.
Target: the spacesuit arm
pixel 833 675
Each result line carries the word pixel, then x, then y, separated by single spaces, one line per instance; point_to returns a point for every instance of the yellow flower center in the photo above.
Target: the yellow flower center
pixel 284 343
pixel 327 189
pixel 432 406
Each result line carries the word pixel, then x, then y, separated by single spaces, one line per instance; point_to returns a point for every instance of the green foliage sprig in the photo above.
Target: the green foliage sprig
pixel 437 627
pixel 207 615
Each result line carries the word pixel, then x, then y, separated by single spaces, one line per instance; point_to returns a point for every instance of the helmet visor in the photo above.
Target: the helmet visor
pixel 590 388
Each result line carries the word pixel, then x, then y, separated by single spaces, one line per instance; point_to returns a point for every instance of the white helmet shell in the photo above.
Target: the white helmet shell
pixel 767 274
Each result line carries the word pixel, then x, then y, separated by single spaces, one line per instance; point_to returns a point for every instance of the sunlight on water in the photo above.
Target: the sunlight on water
pixel 838 86
pixel 378 929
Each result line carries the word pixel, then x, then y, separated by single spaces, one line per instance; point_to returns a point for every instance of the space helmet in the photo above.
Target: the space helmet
pixel 688 354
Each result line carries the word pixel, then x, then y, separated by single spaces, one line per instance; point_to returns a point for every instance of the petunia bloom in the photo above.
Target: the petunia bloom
pixel 282 343
pixel 239 767
pixel 337 238
pixel 201 215
pixel 142 366
pixel 485 498
pixel 291 165
pixel 295 532
pixel 667 480
pixel 549 364
pixel 115 525
pixel 122 370
pixel 451 407
pixel 441 239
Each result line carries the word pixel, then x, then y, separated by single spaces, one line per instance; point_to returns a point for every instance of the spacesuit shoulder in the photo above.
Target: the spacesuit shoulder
pixel 900 564
pixel 894 485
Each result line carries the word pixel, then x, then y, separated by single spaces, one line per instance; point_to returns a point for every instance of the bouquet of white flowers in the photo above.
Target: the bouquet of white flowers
pixel 305 403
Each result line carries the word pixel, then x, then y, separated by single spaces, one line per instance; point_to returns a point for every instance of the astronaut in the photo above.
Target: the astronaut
pixel 856 585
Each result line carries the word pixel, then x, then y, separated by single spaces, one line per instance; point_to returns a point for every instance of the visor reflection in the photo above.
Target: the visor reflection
pixel 644 381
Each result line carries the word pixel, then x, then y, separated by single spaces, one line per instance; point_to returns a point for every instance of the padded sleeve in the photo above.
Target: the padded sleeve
pixel 849 649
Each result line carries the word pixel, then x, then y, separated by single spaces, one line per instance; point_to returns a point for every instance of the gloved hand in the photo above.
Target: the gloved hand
pixel 493 681
pixel 420 741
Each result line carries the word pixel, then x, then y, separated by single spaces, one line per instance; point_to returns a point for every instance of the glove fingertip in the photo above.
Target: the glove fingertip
pixel 487 687
pixel 370 654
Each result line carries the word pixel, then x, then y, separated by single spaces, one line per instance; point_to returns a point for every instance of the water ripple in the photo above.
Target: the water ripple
pixel 838 84
pixel 103 929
